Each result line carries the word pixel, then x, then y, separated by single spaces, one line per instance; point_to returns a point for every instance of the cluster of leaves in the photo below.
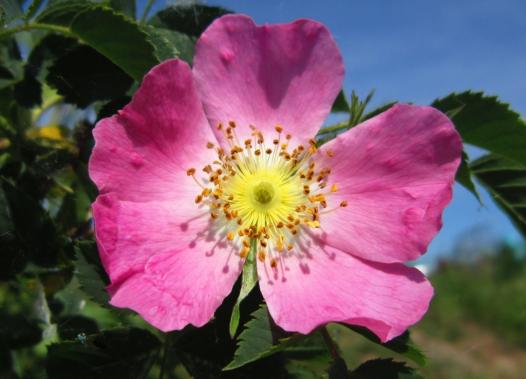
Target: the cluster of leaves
pixel 65 64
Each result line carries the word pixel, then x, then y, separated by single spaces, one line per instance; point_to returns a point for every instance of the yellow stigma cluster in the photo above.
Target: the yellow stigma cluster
pixel 264 191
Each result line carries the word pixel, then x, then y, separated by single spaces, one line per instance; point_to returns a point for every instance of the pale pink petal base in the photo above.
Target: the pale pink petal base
pixel 396 173
pixel 286 74
pixel 327 285
pixel 164 259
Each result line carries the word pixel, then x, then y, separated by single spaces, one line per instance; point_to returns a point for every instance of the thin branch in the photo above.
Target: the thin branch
pixel 37 26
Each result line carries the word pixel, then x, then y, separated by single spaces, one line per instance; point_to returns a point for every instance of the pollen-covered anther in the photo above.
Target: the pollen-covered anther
pixel 262 255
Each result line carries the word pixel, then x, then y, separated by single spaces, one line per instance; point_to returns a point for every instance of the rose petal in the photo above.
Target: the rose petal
pixel 325 285
pixel 142 153
pixel 286 74
pixel 396 173
pixel 164 259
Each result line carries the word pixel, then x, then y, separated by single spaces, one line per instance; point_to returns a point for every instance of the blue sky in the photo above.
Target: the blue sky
pixel 418 50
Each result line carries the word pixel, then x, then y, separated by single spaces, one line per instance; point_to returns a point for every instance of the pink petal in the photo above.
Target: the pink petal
pixel 327 285
pixel 143 152
pixel 286 74
pixel 164 259
pixel 396 173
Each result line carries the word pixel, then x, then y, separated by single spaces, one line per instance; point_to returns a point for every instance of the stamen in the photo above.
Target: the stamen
pixel 265 191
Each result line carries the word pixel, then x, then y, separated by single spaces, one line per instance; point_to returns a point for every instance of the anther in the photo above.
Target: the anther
pixel 210 145
pixel 190 171
pixel 278 128
pixel 261 256
pixel 343 204
pixel 230 236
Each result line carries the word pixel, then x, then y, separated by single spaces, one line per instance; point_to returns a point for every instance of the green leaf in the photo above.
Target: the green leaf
pixel 309 367
pixel 338 370
pixel 70 326
pixel 12 258
pixel 188 19
pixel 18 331
pixel 119 353
pixel 505 179
pixel 341 104
pixel 124 6
pixel 36 234
pixel 464 177
pixel 401 344
pixel 256 341
pixel 170 44
pixel 33 8
pixel 83 76
pixel 90 273
pixel 62 12
pixel 28 91
pixel 358 108
pixel 486 122
pixel 118 38
pixel 249 280
pixel 384 369
pixel 356 111
pixel 11 9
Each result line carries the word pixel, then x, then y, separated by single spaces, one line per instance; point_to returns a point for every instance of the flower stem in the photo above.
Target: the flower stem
pixel 38 26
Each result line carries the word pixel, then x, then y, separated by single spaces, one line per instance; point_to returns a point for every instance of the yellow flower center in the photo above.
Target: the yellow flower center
pixel 265 192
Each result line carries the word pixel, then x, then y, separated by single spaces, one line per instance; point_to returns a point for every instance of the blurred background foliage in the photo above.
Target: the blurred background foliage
pixel 64 65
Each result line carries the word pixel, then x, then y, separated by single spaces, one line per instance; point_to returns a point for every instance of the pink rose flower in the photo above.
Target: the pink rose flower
pixel 205 161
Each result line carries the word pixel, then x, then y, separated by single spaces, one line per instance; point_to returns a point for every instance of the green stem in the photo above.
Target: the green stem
pixel 331 345
pixel 334 128
pixel 147 9
pixel 33 26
